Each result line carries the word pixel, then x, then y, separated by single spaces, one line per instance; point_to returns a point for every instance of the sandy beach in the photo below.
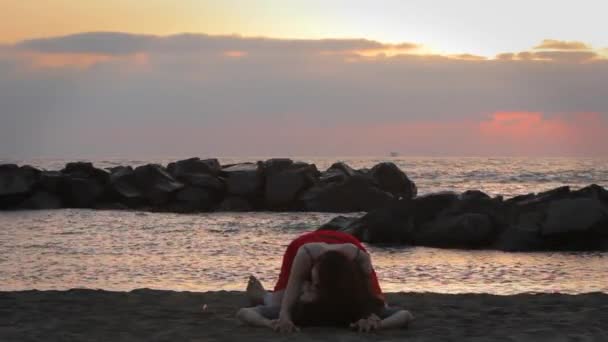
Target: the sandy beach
pixel 152 315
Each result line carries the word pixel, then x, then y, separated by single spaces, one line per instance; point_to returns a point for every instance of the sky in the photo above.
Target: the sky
pixel 286 78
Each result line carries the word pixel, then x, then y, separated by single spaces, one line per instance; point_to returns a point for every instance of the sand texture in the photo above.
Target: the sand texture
pixel 151 315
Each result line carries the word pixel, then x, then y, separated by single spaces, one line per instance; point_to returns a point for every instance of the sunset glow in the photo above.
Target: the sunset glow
pixel 300 78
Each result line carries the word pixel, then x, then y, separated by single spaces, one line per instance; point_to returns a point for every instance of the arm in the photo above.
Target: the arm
pixel 252 317
pixel 398 319
pixel 365 262
pixel 299 272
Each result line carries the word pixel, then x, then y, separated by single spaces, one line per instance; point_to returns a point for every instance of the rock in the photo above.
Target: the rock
pixel 522 236
pixel 16 180
pixel 520 199
pixel 194 166
pixel 276 165
pixel 343 168
pixel 357 193
pixel 111 206
pixel 124 185
pixel 244 180
pixel 41 200
pixel 51 181
pixel 283 187
pixel 474 195
pixel 391 179
pixel 468 230
pixel 81 192
pixel 339 223
pixel 155 183
pixel 16 184
pixel 390 224
pixel 86 170
pixel 235 204
pixel 204 181
pixel 478 202
pixel 337 172
pixel 193 199
pixel 427 207
pixel 592 191
pixel 580 215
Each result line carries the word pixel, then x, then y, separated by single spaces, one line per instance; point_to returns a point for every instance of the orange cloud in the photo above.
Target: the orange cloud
pixel 235 53
pixel 552 44
pixel 523 125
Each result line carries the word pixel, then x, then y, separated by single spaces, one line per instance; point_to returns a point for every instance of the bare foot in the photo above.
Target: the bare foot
pixel 255 291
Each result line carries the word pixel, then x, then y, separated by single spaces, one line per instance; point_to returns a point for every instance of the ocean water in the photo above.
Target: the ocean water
pixel 121 250
pixel 124 250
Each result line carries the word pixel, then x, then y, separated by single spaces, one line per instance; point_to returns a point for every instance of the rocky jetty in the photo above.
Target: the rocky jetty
pixel 558 219
pixel 195 185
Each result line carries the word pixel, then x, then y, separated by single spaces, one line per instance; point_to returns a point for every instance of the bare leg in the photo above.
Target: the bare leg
pixel 399 319
pixel 250 316
pixel 255 291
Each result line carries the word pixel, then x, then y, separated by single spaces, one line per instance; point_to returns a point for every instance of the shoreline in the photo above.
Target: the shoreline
pixel 149 315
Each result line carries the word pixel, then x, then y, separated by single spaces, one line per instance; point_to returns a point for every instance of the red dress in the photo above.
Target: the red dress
pixel 326 236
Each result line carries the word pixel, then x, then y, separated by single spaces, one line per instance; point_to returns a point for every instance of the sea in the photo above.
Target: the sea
pixel 125 250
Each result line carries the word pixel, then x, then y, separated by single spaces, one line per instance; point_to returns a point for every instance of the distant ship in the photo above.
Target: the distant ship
pixel 394 154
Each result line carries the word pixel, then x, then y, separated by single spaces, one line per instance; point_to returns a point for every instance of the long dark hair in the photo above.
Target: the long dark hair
pixel 344 294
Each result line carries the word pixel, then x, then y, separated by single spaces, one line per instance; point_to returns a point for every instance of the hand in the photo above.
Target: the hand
pixel 285 325
pixel 366 324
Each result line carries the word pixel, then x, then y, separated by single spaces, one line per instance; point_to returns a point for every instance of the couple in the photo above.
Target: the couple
pixel 326 278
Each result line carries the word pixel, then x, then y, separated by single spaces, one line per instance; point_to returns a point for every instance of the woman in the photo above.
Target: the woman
pixel 326 278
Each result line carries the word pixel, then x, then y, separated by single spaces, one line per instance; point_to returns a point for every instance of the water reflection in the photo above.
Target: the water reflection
pixel 125 250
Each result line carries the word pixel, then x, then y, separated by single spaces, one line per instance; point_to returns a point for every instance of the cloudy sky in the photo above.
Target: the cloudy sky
pixel 293 78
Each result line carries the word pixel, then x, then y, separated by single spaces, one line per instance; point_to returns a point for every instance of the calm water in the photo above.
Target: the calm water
pixel 65 249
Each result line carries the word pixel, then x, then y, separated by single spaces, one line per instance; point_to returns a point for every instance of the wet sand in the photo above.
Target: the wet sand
pixel 152 315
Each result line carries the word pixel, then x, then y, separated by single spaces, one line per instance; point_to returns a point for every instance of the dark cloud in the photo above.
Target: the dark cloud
pixel 171 101
pixel 551 44
pixel 112 43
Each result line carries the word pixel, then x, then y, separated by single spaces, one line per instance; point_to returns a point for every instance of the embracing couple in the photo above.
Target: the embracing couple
pixel 326 278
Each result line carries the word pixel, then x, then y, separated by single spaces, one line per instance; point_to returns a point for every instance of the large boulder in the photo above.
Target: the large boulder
pixel 77 192
pixel 193 199
pixel 194 166
pixel 234 203
pixel 282 186
pixel 523 235
pixel 244 180
pixel 337 172
pixel 391 179
pixel 156 183
pixel 478 202
pixel 42 200
pixel 356 193
pixel 390 224
pixel 469 230
pixel 86 170
pixel 339 223
pixel 426 208
pixel 592 191
pixel 209 182
pixel 51 181
pixel 16 183
pixel 575 216
pixel 123 185
pixel 276 165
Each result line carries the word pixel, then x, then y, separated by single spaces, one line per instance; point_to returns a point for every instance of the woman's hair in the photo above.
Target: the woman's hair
pixel 343 295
